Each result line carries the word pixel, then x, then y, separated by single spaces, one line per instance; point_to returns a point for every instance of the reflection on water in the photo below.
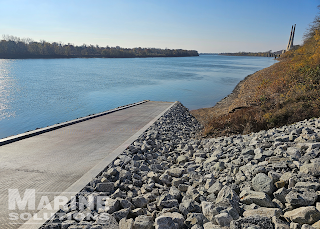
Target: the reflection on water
pixel 7 85
pixel 41 92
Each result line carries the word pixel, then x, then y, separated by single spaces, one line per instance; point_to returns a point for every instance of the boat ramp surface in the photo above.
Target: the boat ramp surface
pixel 62 159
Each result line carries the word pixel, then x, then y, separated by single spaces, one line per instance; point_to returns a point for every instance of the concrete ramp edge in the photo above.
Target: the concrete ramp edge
pixel 32 133
pixel 92 173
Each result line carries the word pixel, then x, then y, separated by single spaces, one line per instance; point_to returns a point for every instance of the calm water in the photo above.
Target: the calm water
pixel 38 93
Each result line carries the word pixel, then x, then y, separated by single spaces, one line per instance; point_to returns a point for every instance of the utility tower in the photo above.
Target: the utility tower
pixel 290 43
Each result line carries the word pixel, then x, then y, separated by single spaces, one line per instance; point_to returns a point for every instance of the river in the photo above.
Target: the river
pixel 36 93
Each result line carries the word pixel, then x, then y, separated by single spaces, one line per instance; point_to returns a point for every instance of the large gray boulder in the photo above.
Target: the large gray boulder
pixel 258 222
pixel 195 219
pixel 139 201
pixel 265 212
pixel 303 215
pixel 143 222
pixel 182 159
pixel 165 179
pixel 111 206
pixel 166 200
pixel 210 211
pixel 228 198
pixel 223 219
pixel 107 221
pixel 281 194
pixel 169 221
pixel 262 183
pixel 227 193
pixel 279 223
pixel 187 206
pixel 175 172
pixel 311 168
pixel 105 187
pixel 215 188
pixel 259 198
pixel 123 213
pixel 301 197
pixel 126 223
pixel 308 185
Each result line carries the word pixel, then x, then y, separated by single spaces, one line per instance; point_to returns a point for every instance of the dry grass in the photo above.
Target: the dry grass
pixel 286 92
pixel 279 95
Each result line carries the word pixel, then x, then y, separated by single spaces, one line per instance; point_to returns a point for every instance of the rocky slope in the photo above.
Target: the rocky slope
pixel 168 178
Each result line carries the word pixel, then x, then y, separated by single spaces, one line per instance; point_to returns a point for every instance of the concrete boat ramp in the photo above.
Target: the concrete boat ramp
pixel 63 158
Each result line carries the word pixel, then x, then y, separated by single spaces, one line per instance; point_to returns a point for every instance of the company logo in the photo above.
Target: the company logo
pixel 42 206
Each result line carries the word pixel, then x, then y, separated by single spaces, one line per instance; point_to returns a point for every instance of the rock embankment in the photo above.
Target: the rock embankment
pixel 169 179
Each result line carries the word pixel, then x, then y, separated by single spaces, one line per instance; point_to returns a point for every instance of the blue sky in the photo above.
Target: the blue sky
pixel 202 25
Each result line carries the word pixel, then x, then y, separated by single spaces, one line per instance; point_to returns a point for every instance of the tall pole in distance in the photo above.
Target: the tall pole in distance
pixel 290 43
pixel 294 30
pixel 288 46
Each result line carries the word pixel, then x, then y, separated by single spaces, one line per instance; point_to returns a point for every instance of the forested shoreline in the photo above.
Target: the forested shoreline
pixel 16 48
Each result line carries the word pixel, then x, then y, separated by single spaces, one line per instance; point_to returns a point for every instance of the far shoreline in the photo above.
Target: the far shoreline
pixel 86 57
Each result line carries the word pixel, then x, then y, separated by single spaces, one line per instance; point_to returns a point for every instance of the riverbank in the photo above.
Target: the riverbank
pixel 243 97
pixel 170 177
pixel 282 94
pixel 285 93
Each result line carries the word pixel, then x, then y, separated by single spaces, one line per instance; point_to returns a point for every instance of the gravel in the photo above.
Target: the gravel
pixel 171 178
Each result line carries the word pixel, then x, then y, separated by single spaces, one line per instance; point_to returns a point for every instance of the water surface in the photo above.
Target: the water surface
pixel 36 93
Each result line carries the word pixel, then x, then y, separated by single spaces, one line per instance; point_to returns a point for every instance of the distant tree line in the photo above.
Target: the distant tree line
pixel 265 54
pixel 16 48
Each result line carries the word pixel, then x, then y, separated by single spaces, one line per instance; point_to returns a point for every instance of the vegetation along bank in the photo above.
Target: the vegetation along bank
pixel 282 94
